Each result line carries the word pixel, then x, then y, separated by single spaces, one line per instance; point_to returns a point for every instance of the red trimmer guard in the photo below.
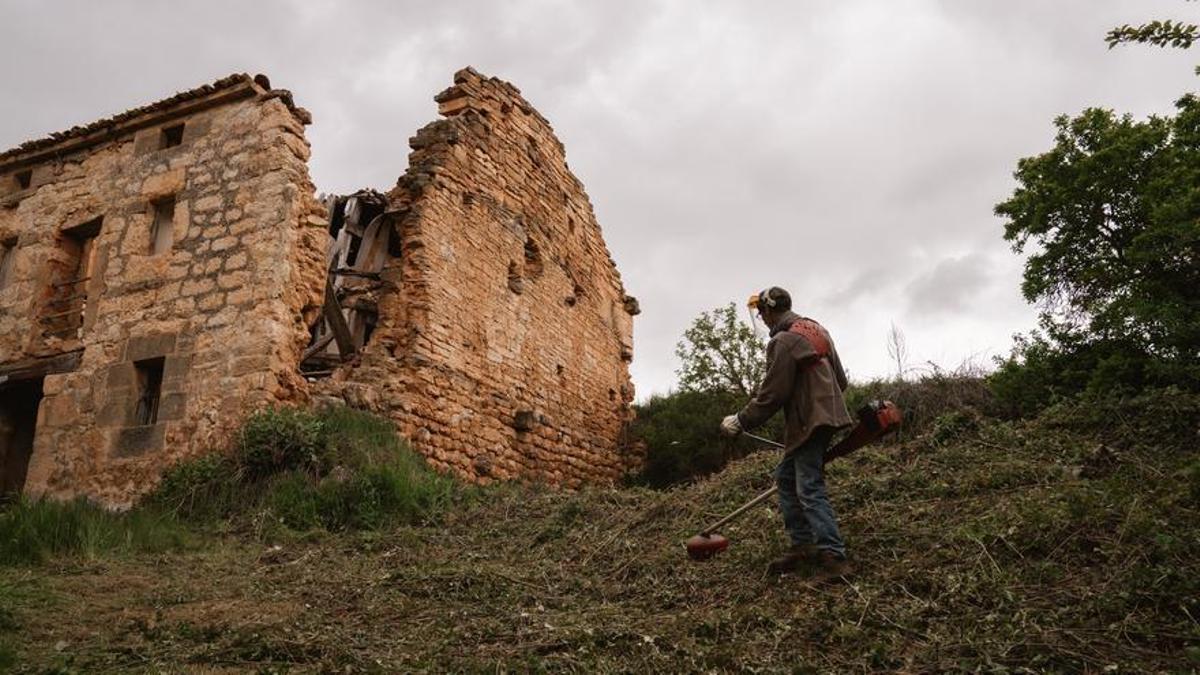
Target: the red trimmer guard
pixel 705 546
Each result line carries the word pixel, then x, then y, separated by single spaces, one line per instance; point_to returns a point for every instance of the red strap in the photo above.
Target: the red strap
pixel 811 330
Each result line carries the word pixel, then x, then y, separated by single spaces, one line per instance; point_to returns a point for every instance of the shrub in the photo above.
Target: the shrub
pixel 334 469
pixel 927 398
pixel 202 488
pixel 1041 371
pixel 1155 420
pixel 681 434
pixel 682 441
pixel 281 439
pixel 367 499
pixel 951 425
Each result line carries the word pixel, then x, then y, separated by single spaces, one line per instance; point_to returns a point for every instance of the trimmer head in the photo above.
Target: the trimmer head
pixel 705 546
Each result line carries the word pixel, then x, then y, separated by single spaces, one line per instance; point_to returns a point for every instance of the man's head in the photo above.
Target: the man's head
pixel 771 304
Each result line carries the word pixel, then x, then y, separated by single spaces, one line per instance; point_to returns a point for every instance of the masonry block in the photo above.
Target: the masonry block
pixel 149 347
pixel 172 406
pixel 137 441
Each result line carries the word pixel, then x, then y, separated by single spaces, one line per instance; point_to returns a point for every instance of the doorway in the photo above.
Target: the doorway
pixel 18 422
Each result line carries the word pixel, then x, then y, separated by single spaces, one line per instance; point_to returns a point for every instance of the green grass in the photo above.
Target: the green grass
pixel 32 531
pixel 331 470
pixel 290 471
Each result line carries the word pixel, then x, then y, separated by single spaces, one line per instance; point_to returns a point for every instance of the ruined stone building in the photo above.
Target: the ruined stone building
pixel 166 271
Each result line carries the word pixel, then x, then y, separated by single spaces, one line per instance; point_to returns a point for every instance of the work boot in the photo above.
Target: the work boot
pixel 793 559
pixel 833 567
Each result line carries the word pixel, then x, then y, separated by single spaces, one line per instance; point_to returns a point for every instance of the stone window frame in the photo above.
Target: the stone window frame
pixel 23 179
pixel 138 421
pixel 70 293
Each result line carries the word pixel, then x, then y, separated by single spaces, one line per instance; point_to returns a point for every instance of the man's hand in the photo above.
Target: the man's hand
pixel 730 426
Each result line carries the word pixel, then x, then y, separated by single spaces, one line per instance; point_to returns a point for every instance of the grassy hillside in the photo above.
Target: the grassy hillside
pixel 1067 543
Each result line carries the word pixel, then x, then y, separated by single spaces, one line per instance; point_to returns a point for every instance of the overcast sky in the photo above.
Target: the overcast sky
pixel 849 151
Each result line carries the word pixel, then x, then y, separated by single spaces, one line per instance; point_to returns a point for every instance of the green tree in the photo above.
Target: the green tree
pixel 721 364
pixel 720 353
pixel 1113 211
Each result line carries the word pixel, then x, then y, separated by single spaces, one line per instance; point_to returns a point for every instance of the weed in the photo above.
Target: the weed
pixel 199 489
pixel 281 439
pixel 926 398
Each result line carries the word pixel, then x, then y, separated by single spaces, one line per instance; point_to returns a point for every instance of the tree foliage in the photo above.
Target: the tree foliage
pixel 720 353
pixel 1167 33
pixel 1113 216
pixel 1161 33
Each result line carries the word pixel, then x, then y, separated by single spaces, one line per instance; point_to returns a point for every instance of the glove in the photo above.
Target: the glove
pixel 731 426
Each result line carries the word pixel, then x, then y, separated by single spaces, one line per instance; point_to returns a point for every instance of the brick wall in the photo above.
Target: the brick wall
pixel 503 343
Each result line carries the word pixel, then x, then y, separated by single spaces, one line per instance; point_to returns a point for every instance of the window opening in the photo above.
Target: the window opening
pixel 369 321
pixel 171 136
pixel 352 251
pixel 162 230
pixel 8 251
pixel 63 317
pixel 149 389
pixel 24 179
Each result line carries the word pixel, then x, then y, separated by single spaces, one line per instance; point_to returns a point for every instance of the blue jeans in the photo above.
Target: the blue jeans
pixel 807 514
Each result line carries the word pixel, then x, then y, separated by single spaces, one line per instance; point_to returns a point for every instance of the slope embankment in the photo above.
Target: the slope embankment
pixel 1065 543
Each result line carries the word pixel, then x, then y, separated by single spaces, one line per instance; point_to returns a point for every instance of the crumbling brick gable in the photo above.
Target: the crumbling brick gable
pixel 505 343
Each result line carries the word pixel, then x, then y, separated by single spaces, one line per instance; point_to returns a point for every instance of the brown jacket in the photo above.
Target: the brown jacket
pixel 809 393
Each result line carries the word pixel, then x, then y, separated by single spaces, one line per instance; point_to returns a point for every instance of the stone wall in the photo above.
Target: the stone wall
pixel 504 339
pixel 213 313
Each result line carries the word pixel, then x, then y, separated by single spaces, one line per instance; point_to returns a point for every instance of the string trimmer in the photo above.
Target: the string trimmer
pixel 875 420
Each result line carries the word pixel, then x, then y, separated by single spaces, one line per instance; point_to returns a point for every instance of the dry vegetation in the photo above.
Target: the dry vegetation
pixel 1063 544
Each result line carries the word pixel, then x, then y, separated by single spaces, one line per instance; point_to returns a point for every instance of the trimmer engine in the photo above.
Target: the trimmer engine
pixel 875 419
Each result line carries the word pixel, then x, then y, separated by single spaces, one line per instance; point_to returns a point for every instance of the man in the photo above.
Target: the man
pixel 804 376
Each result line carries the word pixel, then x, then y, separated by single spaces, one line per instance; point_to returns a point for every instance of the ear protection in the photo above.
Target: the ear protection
pixel 766 299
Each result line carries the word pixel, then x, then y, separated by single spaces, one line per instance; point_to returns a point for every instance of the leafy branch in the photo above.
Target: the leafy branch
pixel 1161 33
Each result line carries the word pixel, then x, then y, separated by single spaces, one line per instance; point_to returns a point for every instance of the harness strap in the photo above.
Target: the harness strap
pixel 811 330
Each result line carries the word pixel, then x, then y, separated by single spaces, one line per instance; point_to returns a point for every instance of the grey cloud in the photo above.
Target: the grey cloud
pixel 953 285
pixel 830 147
